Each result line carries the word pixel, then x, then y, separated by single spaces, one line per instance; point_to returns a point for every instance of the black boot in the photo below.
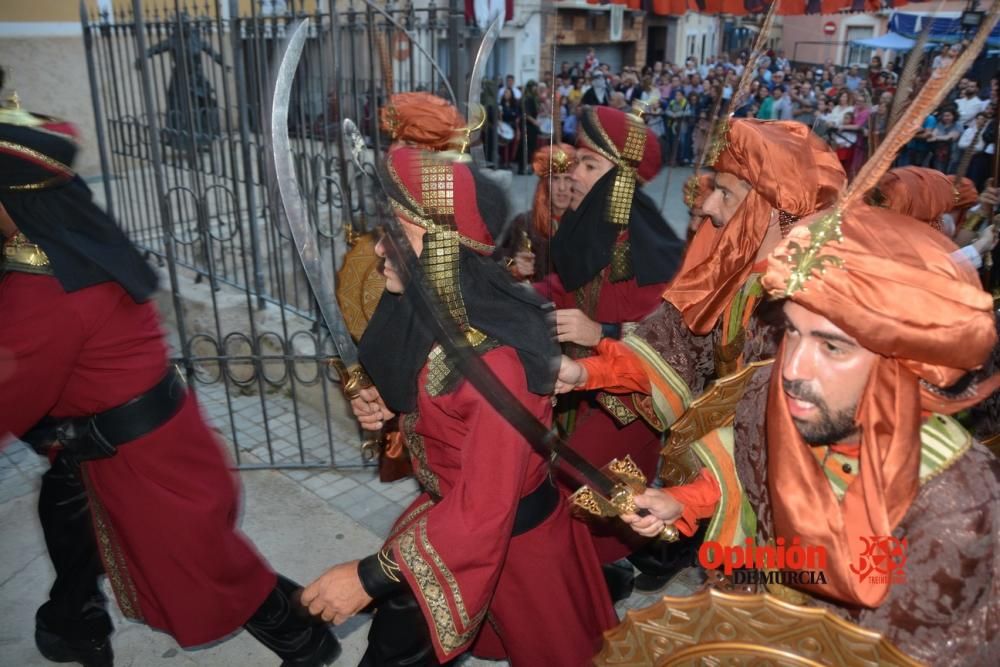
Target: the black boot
pixel 73 625
pixel 283 625
pixel 658 562
pixel 620 578
pixel 71 647
pixel 399 636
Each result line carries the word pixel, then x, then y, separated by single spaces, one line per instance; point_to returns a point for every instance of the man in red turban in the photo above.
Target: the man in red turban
pixel 526 248
pixel 862 458
pixel 487 557
pixel 612 256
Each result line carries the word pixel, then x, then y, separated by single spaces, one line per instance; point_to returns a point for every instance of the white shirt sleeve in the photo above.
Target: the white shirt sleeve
pixel 968 254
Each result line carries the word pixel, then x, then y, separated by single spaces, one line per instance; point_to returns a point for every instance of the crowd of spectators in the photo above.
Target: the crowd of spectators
pixel 850 107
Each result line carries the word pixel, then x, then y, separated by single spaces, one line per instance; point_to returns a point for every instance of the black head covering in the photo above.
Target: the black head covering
pixel 54 208
pixel 582 245
pixel 395 345
pixel 84 245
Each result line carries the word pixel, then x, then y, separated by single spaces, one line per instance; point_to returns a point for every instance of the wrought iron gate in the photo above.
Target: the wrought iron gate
pixel 179 89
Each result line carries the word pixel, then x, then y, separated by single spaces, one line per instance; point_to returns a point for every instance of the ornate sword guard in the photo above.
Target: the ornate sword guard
pixel 630 482
pixel 353 379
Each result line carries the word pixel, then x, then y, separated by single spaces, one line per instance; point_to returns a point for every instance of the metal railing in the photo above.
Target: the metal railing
pixel 180 93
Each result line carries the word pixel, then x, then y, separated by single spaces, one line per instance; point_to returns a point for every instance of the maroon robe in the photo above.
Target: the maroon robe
pixel 165 506
pixel 598 435
pixel 536 599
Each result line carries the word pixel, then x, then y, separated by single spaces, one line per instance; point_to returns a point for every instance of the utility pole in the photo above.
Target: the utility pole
pixel 458 53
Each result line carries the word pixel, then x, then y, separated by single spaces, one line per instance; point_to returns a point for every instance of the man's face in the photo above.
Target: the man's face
pixel 824 373
pixel 415 235
pixel 510 82
pixel 727 195
pixel 562 192
pixel 591 167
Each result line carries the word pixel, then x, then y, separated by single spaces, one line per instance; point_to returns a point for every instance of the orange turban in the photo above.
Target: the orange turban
pixel 889 283
pixel 790 170
pixel 922 193
pixel 423 120
pixel 556 159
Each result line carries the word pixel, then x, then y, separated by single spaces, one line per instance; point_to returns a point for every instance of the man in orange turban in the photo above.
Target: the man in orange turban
pixel 946 204
pixel 710 326
pixel 862 462
pixel 952 208
pixel 526 247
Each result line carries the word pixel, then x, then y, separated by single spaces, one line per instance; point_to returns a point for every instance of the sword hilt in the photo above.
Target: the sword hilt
pixel 630 482
pixel 353 380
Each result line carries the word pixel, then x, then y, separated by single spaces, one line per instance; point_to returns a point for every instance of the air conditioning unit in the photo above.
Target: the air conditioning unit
pixel 617 22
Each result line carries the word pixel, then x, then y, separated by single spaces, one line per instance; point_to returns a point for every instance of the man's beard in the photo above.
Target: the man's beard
pixel 832 427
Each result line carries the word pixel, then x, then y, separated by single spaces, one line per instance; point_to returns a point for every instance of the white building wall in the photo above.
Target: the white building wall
pixel 696 35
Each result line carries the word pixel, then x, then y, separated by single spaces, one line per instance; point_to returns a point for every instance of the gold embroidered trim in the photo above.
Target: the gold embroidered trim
pixel 807 261
pixel 404 523
pixel 415 445
pixel 617 408
pixel 450 635
pixel 718 142
pixel 115 565
pixel 32 154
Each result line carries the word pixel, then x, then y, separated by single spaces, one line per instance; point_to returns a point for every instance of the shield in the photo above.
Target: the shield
pixel 713 627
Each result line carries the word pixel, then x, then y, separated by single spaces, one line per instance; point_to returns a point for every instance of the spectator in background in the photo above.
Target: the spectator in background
pixel 970 105
pixel 780 61
pixel 853 79
pixel 943 139
pixel 598 93
pixel 509 85
pixel 570 122
pixel 618 101
pixel 842 106
pixel 765 104
pixel 510 128
pixel 804 104
pixel 874 72
pixel 782 108
pixel 575 93
pixel 918 151
pixel 678 114
pixel 591 63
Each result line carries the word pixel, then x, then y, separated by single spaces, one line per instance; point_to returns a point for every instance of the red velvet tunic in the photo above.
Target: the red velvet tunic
pixel 538 598
pixel 597 435
pixel 167 502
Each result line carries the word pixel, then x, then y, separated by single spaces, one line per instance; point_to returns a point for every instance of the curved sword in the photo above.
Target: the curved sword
pixel 476 113
pixel 318 273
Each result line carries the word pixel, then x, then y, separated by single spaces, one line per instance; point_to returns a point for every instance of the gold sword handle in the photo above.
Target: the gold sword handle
pixel 353 380
pixel 631 482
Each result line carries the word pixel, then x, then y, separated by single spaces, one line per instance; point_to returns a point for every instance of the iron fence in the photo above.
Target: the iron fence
pixel 180 90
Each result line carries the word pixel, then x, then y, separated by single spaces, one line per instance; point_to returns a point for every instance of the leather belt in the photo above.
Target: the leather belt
pixel 98 436
pixel 535 507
